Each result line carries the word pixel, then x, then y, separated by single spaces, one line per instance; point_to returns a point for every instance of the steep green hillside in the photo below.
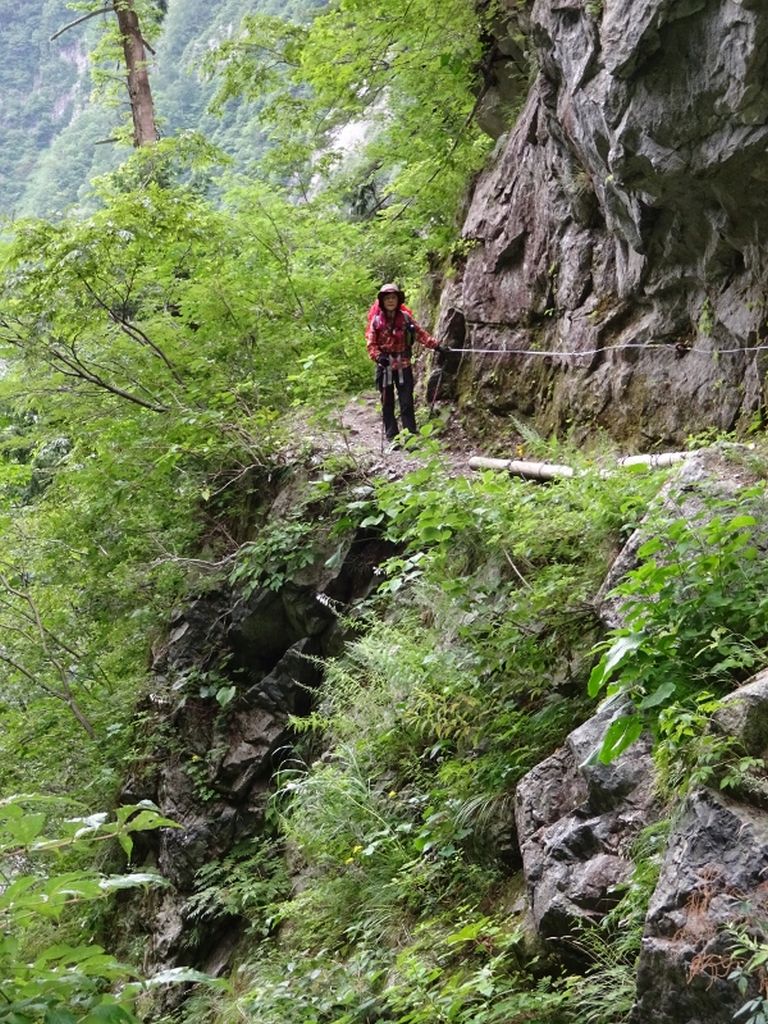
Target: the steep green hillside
pixel 41 84
pixel 52 135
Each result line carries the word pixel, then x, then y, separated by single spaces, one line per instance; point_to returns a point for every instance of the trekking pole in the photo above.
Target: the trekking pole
pixel 386 380
pixel 440 360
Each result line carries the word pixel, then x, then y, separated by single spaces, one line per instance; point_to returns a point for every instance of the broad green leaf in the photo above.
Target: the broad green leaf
pixel 742 522
pixel 658 696
pixel 109 1013
pixel 620 734
pixel 26 828
pixel 59 1015
pixel 225 695
pixel 468 933
pixel 605 668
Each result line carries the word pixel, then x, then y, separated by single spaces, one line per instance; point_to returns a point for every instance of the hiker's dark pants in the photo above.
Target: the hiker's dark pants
pixel 403 381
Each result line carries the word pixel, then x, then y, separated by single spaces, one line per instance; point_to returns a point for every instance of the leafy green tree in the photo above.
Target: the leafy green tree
pixel 126 34
pixel 54 137
pixel 151 352
pixel 394 82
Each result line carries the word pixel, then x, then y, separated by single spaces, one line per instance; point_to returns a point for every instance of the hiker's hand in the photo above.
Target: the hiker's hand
pixel 383 360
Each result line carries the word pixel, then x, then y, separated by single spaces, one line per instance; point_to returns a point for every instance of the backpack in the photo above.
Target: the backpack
pixel 410 326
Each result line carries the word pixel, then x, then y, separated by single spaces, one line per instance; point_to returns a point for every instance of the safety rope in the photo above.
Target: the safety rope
pixel 678 350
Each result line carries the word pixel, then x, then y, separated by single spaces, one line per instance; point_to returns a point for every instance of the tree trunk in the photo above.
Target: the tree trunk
pixel 139 92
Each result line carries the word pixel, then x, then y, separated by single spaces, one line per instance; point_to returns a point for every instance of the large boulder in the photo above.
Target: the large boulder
pixel 713 878
pixel 576 819
pixel 744 716
pixel 712 883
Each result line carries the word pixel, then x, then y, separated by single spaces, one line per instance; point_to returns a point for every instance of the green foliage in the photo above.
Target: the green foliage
pixel 748 960
pixel 249 882
pixel 706 321
pixel 695 612
pixel 53 133
pixel 45 977
pixel 150 351
pixel 39 90
pixel 447 693
pixel 466 969
pixel 274 557
pixel 689 752
pixel 399 75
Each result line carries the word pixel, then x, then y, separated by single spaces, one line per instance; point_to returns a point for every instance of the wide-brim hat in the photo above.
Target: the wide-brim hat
pixel 389 289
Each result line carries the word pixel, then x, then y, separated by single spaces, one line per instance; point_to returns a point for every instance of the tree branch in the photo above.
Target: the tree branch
pixel 79 21
pixel 129 328
pixel 441 166
pixel 76 369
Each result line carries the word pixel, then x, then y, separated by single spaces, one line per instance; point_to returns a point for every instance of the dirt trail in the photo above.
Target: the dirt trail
pixel 361 431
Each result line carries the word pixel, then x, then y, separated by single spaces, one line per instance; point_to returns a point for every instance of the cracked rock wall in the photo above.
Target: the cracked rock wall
pixel 622 225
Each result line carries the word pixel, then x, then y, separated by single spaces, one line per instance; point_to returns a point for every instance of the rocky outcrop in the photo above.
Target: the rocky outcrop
pixel 713 879
pixel 505 68
pixel 696 491
pixel 576 820
pixel 234 668
pixel 622 224
pixel 576 823
pixel 744 715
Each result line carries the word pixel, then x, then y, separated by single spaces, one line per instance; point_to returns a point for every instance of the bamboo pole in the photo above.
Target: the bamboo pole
pixel 653 461
pixel 553 471
pixel 529 470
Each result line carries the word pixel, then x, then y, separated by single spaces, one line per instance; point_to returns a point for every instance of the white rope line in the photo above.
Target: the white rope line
pixel 680 352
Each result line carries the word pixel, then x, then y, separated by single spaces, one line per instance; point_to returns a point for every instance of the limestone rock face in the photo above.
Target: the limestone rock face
pixel 231 672
pixel 622 223
pixel 712 880
pixel 744 714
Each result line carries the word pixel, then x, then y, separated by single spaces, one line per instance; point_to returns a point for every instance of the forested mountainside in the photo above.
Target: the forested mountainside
pixel 55 136
pixel 299 727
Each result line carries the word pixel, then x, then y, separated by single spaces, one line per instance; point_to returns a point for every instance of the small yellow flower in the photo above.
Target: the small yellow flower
pixel 356 849
pixel 392 794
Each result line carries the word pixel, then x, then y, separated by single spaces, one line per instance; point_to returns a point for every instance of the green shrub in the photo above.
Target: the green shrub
pixel 695 613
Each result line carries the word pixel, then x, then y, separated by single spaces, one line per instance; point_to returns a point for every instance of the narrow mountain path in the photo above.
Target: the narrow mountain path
pixel 361 433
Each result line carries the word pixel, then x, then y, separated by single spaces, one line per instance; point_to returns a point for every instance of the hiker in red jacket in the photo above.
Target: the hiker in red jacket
pixel 389 337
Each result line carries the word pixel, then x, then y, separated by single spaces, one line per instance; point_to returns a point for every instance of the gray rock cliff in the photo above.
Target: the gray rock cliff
pixel 621 226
